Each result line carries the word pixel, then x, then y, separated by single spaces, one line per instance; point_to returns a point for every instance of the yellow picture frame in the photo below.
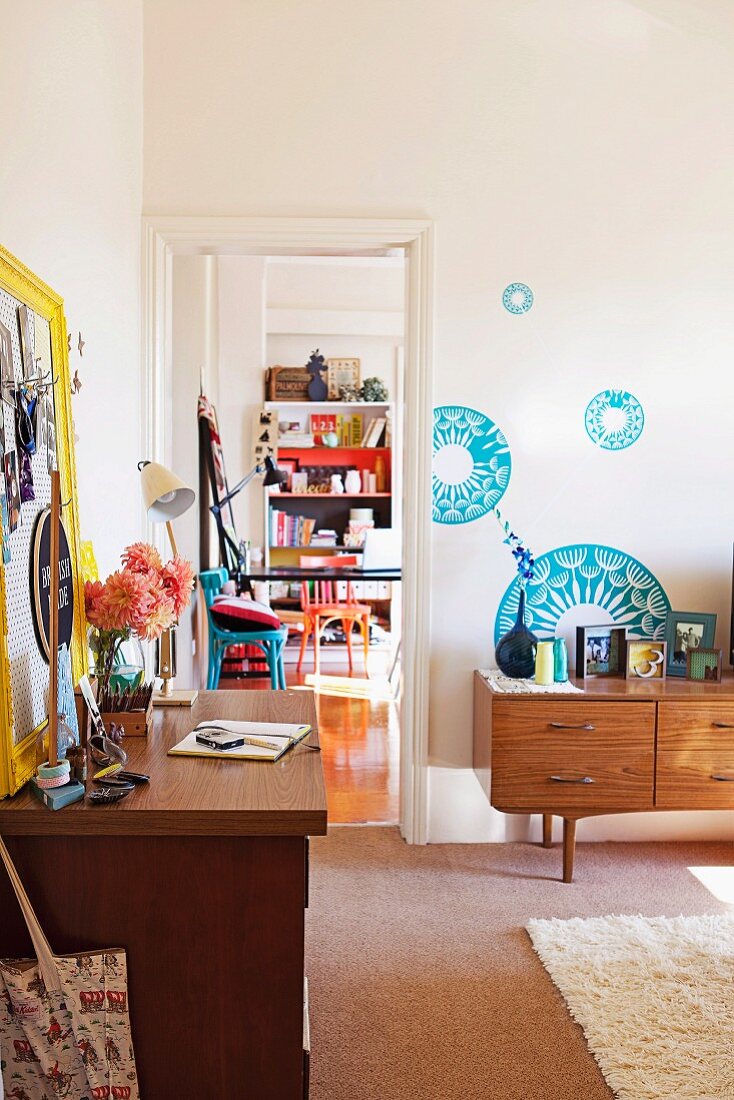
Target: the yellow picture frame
pixel 18 761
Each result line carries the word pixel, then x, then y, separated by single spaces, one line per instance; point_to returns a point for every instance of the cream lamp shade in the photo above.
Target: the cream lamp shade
pixel 164 494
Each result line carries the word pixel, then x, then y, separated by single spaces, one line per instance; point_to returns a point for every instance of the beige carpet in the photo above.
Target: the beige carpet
pixel 423 982
pixel 655 997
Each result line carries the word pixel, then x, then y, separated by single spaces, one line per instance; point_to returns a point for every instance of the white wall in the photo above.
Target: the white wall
pixel 70 193
pixel 337 305
pixel 586 149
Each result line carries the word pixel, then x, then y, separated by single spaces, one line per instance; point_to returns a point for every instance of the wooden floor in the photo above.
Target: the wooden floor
pixel 360 738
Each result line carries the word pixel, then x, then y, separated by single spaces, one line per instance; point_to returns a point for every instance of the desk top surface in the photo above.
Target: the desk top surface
pixel 616 688
pixel 295 573
pixel 195 796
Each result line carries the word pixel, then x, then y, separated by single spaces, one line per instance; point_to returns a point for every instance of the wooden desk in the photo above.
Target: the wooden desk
pixel 202 876
pixel 620 746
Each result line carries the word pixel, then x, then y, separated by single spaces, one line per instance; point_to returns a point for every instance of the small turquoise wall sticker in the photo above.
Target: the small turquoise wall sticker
pixel 587 573
pixel 471 464
pixel 517 298
pixel 614 419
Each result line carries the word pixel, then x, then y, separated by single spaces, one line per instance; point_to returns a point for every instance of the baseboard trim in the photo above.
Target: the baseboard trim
pixel 459 813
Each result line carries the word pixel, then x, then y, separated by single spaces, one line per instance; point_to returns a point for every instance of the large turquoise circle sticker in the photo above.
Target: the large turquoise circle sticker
pixel 614 419
pixel 608 584
pixel 471 464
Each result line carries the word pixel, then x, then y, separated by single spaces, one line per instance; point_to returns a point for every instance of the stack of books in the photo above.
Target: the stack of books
pixel 324 537
pixel 287 530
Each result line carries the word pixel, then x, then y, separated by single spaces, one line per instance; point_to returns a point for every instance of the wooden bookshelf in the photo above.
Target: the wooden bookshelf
pixel 330 510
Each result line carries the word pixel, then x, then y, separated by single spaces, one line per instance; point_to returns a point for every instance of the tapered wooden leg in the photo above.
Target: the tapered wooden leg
pixel 366 642
pixel 316 646
pixel 547 830
pixel 347 625
pixel 304 643
pixel 569 848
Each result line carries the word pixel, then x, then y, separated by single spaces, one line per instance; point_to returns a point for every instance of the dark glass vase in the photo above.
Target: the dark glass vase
pixel 515 651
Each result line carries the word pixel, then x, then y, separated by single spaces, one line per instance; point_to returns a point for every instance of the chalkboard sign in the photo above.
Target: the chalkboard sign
pixel 40 581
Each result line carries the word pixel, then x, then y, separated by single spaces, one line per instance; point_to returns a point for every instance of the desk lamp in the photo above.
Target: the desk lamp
pixel 273 476
pixel 166 497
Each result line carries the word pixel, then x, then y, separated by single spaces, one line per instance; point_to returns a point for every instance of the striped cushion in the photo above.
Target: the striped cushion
pixel 244 616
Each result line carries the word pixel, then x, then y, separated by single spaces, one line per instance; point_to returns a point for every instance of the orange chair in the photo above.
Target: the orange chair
pixel 325 608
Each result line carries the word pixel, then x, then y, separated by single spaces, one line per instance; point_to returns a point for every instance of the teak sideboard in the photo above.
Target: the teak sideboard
pixel 202 876
pixel 621 746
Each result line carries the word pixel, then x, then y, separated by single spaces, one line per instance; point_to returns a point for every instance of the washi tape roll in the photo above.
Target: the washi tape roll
pixel 56 781
pixel 46 771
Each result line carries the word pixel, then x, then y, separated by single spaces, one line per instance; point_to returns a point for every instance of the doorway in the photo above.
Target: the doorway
pixel 360 240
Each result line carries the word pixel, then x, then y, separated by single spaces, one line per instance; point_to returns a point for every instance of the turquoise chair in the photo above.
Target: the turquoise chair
pixel 271 642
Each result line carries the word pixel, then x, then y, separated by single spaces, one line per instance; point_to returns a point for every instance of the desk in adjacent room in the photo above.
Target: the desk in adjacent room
pixel 318 573
pixel 202 876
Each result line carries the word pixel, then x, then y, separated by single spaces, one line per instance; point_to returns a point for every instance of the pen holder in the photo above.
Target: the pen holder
pixel 137 723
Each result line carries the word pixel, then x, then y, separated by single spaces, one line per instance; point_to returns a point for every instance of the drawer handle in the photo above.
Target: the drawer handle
pixel 561 726
pixel 585 779
pixel 723 725
pixel 724 778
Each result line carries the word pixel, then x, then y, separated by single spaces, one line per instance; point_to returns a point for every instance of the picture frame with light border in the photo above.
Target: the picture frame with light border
pixel 704 665
pixel 289 466
pixel 645 659
pixel 342 372
pixel 676 660
pixel 589 669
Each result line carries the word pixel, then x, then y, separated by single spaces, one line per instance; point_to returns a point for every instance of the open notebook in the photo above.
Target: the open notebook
pixel 282 737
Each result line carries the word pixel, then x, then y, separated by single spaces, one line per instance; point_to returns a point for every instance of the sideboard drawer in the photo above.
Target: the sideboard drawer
pixel 572 755
pixel 701 779
pixel 537 723
pixel 695 725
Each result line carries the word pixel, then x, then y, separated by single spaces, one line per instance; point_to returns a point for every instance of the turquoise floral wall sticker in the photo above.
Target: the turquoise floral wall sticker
pixel 614 419
pixel 620 586
pixel 517 298
pixel 471 464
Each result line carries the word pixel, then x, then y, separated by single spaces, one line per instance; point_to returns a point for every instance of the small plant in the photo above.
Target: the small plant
pixel 374 389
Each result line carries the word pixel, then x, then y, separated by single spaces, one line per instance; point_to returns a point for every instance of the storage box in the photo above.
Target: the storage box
pixel 137 723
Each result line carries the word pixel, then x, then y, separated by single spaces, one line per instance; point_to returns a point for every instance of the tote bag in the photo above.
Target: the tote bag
pixel 64 1023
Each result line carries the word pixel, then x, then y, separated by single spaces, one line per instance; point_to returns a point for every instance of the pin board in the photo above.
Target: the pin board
pixel 34 363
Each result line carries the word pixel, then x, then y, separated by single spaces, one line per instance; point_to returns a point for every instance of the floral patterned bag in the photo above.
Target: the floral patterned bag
pixel 64 1023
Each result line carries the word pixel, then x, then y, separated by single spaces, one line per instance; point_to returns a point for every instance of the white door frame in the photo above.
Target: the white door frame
pixel 164 237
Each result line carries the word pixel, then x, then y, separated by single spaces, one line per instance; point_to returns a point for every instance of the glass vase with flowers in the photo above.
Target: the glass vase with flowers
pixel 515 651
pixel 140 600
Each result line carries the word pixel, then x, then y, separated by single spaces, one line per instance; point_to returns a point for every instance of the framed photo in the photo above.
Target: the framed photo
pixel 12 488
pixel 684 631
pixel 645 659
pixel 26 341
pixel 49 418
pixel 704 665
pixel 600 651
pixel 299 481
pixel 341 372
pixel 7 374
pixel 290 466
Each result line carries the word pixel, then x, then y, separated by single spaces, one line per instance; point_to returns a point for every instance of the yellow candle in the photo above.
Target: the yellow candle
pixel 544 663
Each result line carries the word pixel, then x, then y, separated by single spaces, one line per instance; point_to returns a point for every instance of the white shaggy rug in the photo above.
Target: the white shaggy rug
pixel 654 996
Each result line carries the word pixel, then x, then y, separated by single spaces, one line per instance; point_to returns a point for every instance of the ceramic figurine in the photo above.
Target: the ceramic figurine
pixel 317 388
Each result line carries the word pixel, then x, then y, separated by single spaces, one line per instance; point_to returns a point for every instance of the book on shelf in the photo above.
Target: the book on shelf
pixel 374 432
pixel 322 424
pixel 296 439
pixel 324 537
pixel 288 530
